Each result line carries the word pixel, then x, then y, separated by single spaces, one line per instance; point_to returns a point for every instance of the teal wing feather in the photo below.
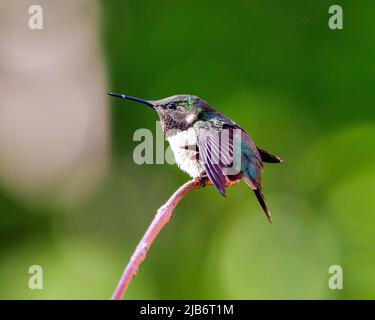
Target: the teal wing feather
pixel 251 163
pixel 226 149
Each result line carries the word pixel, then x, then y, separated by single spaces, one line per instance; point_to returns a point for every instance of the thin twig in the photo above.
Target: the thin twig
pixel 160 220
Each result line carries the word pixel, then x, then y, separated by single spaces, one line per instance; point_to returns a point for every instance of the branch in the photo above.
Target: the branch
pixel 161 218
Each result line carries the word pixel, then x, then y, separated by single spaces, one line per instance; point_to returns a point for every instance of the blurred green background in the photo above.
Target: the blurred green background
pixel 301 90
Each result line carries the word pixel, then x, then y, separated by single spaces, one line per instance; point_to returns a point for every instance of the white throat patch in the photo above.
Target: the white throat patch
pixel 190 118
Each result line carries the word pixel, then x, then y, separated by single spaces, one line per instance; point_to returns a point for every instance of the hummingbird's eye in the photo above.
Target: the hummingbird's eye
pixel 172 106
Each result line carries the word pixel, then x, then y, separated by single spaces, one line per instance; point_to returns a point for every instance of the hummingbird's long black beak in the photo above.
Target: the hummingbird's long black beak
pixel 123 96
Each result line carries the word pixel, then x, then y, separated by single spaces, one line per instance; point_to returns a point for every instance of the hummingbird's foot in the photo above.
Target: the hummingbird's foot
pixel 201 182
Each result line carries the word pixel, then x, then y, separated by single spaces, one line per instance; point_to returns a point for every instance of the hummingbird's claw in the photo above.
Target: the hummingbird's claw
pixel 201 182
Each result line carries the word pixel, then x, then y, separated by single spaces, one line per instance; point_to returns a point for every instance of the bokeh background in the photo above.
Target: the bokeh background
pixel 73 201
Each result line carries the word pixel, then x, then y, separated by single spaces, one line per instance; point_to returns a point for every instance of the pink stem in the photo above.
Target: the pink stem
pixel 160 220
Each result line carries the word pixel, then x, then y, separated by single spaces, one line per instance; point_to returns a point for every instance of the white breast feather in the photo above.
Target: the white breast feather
pixel 185 158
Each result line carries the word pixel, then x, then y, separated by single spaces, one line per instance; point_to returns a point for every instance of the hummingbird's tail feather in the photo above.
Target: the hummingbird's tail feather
pixel 259 194
pixel 268 157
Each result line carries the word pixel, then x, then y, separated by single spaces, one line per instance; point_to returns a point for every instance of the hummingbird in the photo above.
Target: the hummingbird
pixel 207 144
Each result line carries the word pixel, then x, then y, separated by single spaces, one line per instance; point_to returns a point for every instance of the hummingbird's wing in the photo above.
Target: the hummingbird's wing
pixel 249 161
pixel 216 152
pixel 206 147
pixel 219 154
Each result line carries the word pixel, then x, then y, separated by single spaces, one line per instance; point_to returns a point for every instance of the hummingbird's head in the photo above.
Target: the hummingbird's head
pixel 175 112
pixel 179 111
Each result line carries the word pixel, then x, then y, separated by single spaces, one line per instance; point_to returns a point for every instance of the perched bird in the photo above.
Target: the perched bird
pixel 208 145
